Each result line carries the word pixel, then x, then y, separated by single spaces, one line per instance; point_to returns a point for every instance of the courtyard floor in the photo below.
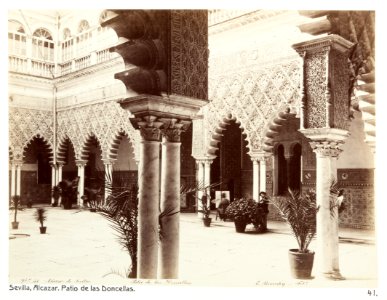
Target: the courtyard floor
pixel 80 247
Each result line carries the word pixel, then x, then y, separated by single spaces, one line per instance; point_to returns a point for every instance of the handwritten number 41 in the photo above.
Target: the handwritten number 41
pixel 372 293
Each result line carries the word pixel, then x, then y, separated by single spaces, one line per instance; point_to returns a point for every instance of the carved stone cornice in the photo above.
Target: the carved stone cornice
pixel 116 61
pixel 239 20
pixel 325 43
pixel 325 134
pixel 166 106
pixel 28 78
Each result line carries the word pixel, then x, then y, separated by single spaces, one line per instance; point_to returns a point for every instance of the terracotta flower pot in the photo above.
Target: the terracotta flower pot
pixel 207 222
pixel 301 264
pixel 240 226
pixel 15 225
pixel 43 229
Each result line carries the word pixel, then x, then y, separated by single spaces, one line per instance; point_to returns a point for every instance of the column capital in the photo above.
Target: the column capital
pixel 326 142
pixel 60 164
pixel 109 161
pixel 326 148
pixel 259 157
pixel 172 128
pixel 149 127
pixel 17 163
pixel 80 162
pixel 205 160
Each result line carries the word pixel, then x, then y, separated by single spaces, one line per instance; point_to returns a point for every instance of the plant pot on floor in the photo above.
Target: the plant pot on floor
pixel 43 229
pixel 207 222
pixel 15 225
pixel 240 226
pixel 301 264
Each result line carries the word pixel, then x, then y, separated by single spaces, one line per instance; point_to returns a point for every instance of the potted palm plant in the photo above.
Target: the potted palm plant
pixel 299 211
pixel 15 206
pixel 242 212
pixel 40 216
pixel 205 210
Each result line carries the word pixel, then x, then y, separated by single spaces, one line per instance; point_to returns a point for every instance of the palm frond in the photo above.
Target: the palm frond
pixel 299 211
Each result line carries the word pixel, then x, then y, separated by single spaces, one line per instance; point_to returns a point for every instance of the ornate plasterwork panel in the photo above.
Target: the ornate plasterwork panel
pixel 253 95
pixel 315 109
pixel 189 54
pixel 25 124
pixel 103 120
pixel 340 90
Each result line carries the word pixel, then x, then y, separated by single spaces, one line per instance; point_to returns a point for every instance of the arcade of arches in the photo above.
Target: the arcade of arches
pixel 91 96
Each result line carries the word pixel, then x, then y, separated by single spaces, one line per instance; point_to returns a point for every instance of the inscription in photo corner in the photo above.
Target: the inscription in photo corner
pixel 280 284
pixel 69 288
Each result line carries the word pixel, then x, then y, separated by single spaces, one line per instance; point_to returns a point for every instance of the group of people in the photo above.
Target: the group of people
pixel 263 203
pixel 223 203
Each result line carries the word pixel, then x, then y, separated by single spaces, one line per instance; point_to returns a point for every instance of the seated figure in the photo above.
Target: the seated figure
pixel 224 202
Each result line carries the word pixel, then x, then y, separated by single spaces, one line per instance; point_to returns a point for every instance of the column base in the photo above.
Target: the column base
pixel 334 275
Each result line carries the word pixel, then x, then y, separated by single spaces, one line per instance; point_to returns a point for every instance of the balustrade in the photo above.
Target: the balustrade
pixel 17 64
pixel 74 52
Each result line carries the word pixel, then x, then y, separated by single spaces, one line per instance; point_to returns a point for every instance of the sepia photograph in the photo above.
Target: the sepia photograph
pixel 229 151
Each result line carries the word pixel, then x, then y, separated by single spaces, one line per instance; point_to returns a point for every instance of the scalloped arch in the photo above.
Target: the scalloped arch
pixel 217 133
pixel 112 152
pixel 46 143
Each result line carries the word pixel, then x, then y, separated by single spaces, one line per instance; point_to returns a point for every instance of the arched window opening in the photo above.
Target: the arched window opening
pixel 16 38
pixel 295 168
pixel 282 171
pixel 42 45
pixel 84 38
pixel 67 45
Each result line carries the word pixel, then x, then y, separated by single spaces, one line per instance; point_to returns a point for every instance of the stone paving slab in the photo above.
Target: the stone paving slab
pixel 80 246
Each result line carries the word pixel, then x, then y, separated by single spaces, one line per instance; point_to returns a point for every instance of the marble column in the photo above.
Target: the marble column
pixel 207 178
pixel 108 163
pixel 275 175
pixel 60 172
pixel 256 180
pixel 327 254
pixel 54 180
pixel 262 176
pixel 288 159
pixel 170 200
pixel 149 200
pixel 18 178
pixel 200 182
pixel 13 179
pixel 81 184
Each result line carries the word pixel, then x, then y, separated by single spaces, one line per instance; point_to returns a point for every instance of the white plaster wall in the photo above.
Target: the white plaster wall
pixel 125 160
pixel 356 153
